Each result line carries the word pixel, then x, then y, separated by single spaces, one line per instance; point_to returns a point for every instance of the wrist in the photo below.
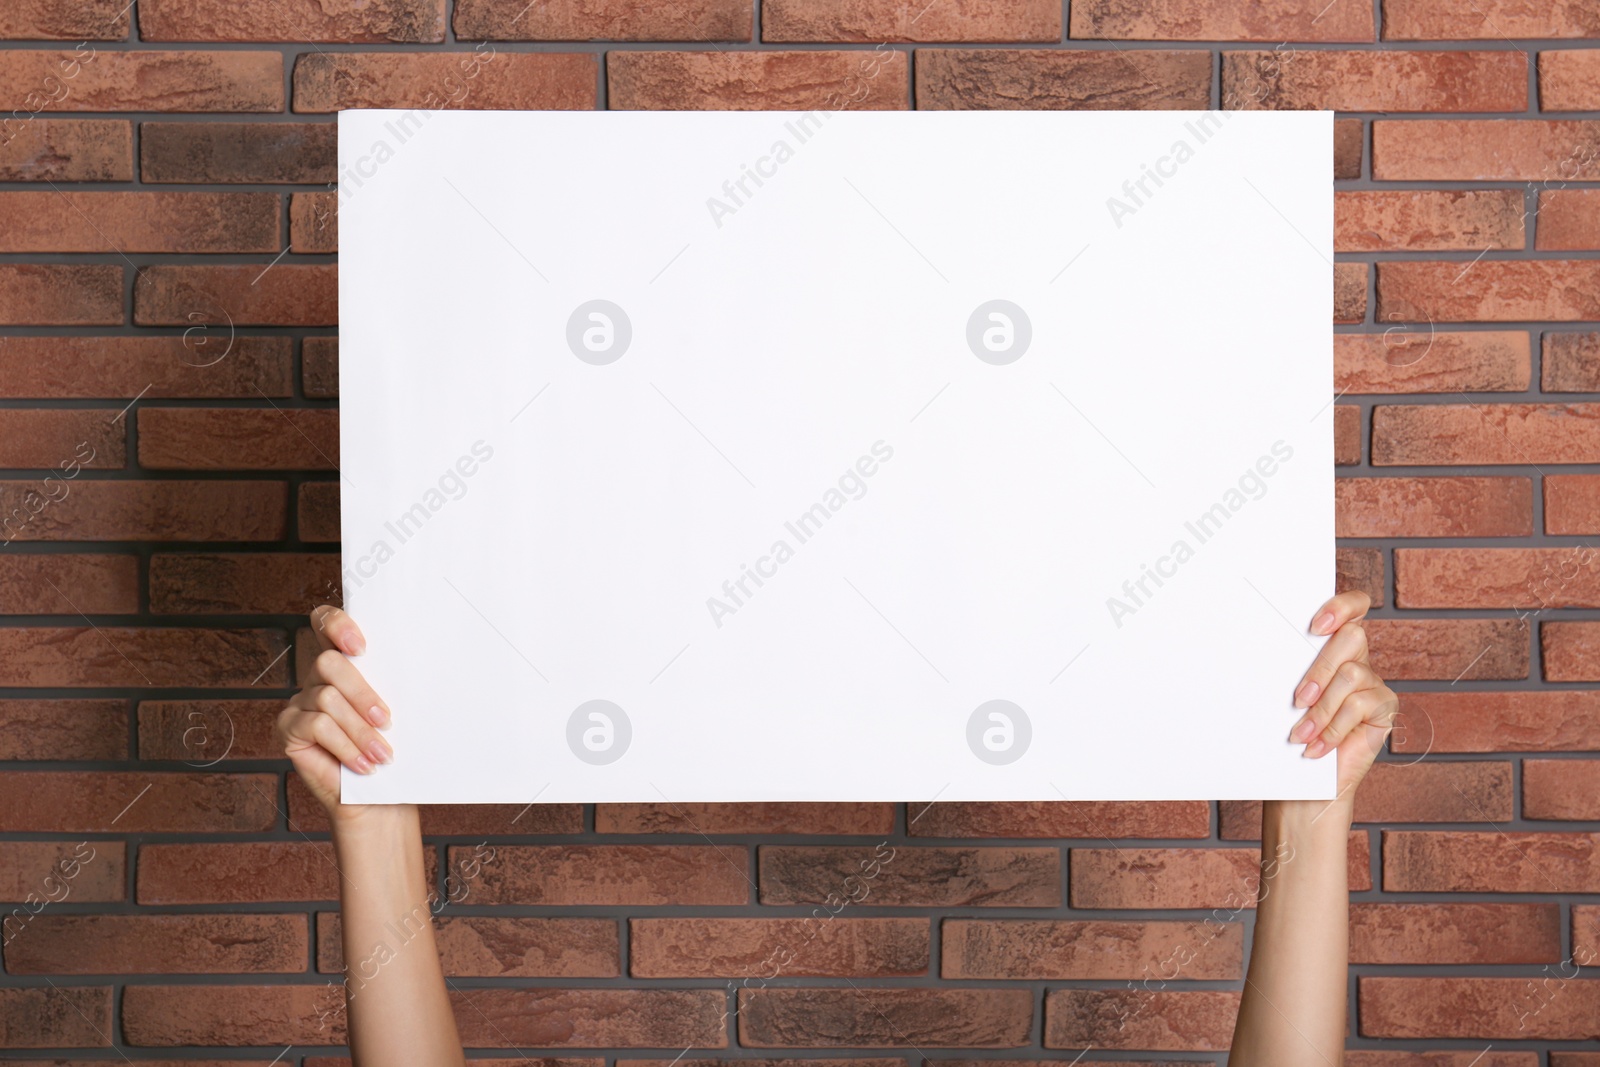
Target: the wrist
pixel 1304 818
pixel 377 822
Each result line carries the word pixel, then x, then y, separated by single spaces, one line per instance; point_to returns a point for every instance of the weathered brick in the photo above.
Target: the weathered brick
pixel 86 872
pixel 232 1015
pixel 1427 361
pixel 130 802
pixel 1349 292
pixel 1062 950
pixel 1569 220
pixel 203 732
pixel 1437 434
pixel 529 81
pixel 1410 791
pixel 607 20
pixel 612 875
pixel 1199 1020
pixel 1570 364
pixel 1116 878
pixel 318 511
pixel 242 295
pixel 46 729
pixel 38 79
pixel 590 1018
pixel 1561 789
pixel 59 221
pixel 238 439
pixel 1496 577
pixel 1569 79
pixel 741 81
pixel 60 294
pixel 160 944
pixel 1347 435
pixel 238 152
pixel 1434 507
pixel 55 583
pixel 372 22
pixel 1547 150
pixel 314 222
pixel 1428 220
pixel 755 948
pixel 1461 861
pixel 908 20
pixel 241 872
pixel 1060 818
pixel 1496 20
pixel 1217 20
pixel 1294 79
pixel 1572 503
pixel 59 439
pixel 860 818
pixel 66 150
pixel 1521 1009
pixel 146 510
pixel 1072 79
pixel 134 656
pixel 195 365
pixel 1499 291
pixel 1361 569
pixel 1571 651
pixel 1455 933
pixel 279 583
pixel 1548 721
pixel 56 1017
pixel 1349 145
pixel 910 876
pixel 319 367
pixel 476 946
pixel 65 20
pixel 856 1017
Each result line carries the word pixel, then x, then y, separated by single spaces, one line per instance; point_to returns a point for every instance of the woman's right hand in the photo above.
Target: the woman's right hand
pixel 336 718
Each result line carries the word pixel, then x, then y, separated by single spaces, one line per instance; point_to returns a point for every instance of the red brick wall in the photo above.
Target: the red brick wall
pixel 167 432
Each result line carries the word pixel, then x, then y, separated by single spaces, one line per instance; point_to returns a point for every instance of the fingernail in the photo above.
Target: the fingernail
pixel 354 645
pixel 363 765
pixel 1315 749
pixel 1323 624
pixel 1303 732
pixel 377 716
pixel 1306 695
pixel 379 750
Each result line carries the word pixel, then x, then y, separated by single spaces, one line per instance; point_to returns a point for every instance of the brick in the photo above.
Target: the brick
pixel 746 948
pixel 1575 1059
pixel 238 439
pixel 1496 577
pixel 1452 650
pixel 908 20
pixel 530 81
pixel 1455 933
pixel 884 1018
pixel 1072 79
pixel 145 510
pixel 44 729
pixel 1061 950
pixel 475 946
pixel 160 944
pixel 1349 144
pixel 1548 1006
pixel 129 802
pixel 591 1018
pixel 38 79
pixel 1497 20
pixel 319 367
pixel 1499 291
pixel 1294 79
pixel 1558 789
pixel 1572 503
pixel 1433 434
pixel 1585 940
pixel 564 1061
pixel 1347 434
pixel 1555 150
pixel 1547 721
pixel 1199 1020
pixel 133 656
pixel 239 152
pixel 604 875
pixel 279 583
pixel 61 584
pixel 232 1015
pixel 70 368
pixel 138 222
pixel 1570 651
pixel 1434 507
pixel 306 815
pixel 1130 878
pixel 1570 364
pixel 1486 1058
pixel 246 294
pixel 742 81
pixel 59 439
pixel 1214 20
pixel 1412 791
pixel 65 20
pixel 314 222
pixel 242 872
pixel 1426 361
pixel 1349 292
pixel 784 1061
pixel 1361 569
pixel 1569 79
pixel 1419 861
pixel 907 876
pixel 610 20
pixel 66 150
pixel 384 21
pixel 202 732
pixel 318 511
pixel 1569 220
pixel 854 818
pixel 86 872
pixel 60 294
pixel 1428 220
pixel 56 1017
pixel 1060 818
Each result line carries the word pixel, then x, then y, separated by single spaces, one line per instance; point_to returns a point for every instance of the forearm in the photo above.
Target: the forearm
pixel 398 1010
pixel 1294 999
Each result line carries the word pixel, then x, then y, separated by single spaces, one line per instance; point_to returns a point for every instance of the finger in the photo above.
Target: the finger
pixel 336 630
pixel 332 668
pixel 1363 707
pixel 1349 643
pixel 1343 608
pixel 372 744
pixel 1348 680
pixel 314 729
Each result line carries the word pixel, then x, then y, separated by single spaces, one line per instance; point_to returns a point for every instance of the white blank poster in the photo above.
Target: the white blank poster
pixel 856 456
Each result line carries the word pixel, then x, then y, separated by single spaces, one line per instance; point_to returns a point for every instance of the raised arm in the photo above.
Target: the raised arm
pixel 397 1009
pixel 1295 989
